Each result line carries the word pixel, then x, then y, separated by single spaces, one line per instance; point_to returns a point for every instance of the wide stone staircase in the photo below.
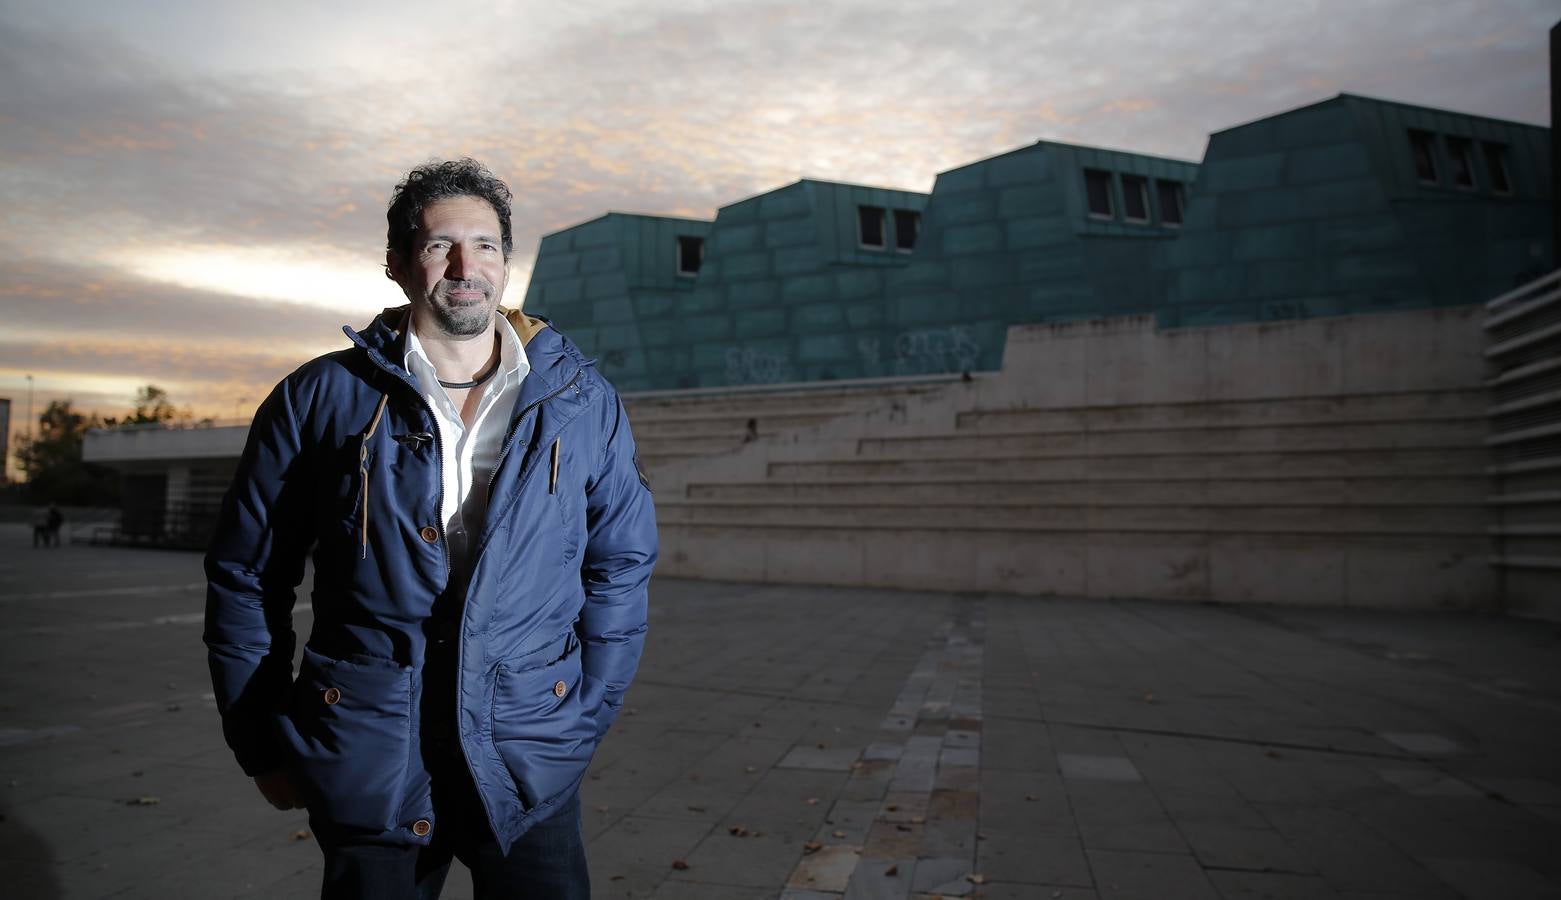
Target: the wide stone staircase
pixel 1325 488
pixel 673 426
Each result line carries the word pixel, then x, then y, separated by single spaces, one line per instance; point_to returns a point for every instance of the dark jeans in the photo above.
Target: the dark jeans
pixel 547 863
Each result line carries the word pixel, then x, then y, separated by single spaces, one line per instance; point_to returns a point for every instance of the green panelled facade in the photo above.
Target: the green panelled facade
pixel 612 284
pixel 1010 240
pixel 1346 206
pixel 1323 211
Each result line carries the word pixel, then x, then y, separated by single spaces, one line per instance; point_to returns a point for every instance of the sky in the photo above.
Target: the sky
pixel 194 191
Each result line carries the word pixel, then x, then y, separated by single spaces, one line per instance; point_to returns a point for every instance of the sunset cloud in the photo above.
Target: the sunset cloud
pixel 200 173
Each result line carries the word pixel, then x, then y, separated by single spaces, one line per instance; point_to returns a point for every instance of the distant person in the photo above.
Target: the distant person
pixel 40 529
pixel 482 537
pixel 52 524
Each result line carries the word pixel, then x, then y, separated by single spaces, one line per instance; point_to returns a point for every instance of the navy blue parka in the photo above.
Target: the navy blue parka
pixel 343 457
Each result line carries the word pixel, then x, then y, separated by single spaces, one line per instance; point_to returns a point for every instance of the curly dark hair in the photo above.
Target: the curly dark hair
pixel 432 181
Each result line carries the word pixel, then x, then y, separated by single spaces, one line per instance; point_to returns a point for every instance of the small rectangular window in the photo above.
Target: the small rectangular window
pixel 691 252
pixel 1135 198
pixel 869 223
pixel 1460 155
pixel 1170 193
pixel 907 225
pixel 1097 187
pixel 1423 145
pixel 1496 165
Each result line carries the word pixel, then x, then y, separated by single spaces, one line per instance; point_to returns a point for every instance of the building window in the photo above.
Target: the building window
pixel 869 224
pixel 907 225
pixel 1170 202
pixel 1423 145
pixel 1496 166
pixel 1135 198
pixel 691 252
pixel 1460 154
pixel 1097 187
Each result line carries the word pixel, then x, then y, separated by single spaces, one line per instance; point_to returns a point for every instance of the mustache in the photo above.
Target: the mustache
pixel 447 285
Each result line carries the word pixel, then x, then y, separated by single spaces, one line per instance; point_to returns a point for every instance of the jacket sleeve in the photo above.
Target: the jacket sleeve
pixel 620 552
pixel 253 566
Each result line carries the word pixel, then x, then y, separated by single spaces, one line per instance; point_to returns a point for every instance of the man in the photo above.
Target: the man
pixel 482 541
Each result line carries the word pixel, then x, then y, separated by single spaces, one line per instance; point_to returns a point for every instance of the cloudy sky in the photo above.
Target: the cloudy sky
pixel 194 191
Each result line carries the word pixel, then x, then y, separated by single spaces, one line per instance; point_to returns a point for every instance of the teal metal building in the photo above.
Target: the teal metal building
pixel 1346 206
pixel 1356 205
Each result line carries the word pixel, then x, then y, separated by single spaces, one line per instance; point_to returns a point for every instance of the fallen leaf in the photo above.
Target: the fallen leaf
pixel 616 878
pixel 981 835
pixel 811 847
pixel 300 835
pixel 680 864
pixel 1031 797
pixel 902 828
pixel 144 800
pixel 737 831
pixel 892 807
pixel 975 878
pixel 892 871
pixel 1149 697
pixel 838 834
pixel 695 808
pixel 1272 754
pixel 812 801
pixel 173 707
pixel 821 745
pixel 918 820
pixel 749 769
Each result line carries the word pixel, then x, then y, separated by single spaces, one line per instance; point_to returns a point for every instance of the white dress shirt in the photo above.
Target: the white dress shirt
pixel 470 454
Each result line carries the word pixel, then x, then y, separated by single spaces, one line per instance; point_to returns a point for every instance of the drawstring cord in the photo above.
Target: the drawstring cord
pixel 363 474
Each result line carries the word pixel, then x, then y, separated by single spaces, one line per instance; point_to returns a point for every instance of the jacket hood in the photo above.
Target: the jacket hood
pixel 552 355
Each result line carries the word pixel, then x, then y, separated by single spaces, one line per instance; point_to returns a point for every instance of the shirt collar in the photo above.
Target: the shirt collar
pixel 513 363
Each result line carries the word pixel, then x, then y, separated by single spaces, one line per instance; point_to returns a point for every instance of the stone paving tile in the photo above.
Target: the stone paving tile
pixel 1493 879
pixel 1270 886
pixel 1033 859
pixel 877 878
pixel 1008 891
pixel 1123 875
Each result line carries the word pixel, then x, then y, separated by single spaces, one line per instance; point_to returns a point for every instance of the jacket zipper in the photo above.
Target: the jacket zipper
pixel 508 442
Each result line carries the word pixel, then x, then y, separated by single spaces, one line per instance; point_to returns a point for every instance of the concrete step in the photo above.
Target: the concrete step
pixel 1299 410
pixel 747 403
pixel 1352 436
pixel 1278 489
pixel 767 423
pixel 1472 519
pixel 1455 461
pixel 1335 569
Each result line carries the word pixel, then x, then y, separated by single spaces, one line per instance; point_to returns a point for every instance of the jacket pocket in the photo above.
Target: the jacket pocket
pixel 544 724
pixel 349 726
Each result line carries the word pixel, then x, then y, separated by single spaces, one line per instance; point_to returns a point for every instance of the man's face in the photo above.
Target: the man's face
pixel 457 272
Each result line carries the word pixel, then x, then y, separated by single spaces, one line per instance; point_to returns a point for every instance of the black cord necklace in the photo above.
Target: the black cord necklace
pixel 463 385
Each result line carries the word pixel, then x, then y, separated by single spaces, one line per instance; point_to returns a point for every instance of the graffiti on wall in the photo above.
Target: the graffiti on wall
pixel 745 365
pixel 924 351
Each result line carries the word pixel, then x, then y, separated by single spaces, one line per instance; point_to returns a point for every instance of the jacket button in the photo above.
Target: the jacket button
pixel 332 696
pixel 429 533
pixel 421 827
pixel 560 689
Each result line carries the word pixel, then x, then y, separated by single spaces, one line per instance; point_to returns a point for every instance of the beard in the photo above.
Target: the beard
pixel 462 318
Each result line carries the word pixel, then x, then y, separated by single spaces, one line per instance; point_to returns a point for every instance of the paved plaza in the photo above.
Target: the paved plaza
pixel 809 743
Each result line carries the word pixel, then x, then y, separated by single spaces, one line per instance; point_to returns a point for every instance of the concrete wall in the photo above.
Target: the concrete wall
pixel 1324 462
